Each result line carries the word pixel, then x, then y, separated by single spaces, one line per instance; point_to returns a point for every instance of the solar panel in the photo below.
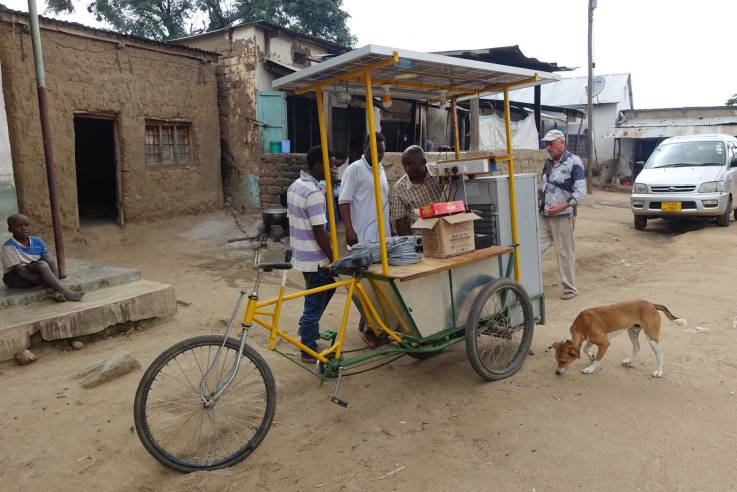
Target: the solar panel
pixel 416 75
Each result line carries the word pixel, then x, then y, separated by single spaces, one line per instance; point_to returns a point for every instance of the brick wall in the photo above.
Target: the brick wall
pixel 278 171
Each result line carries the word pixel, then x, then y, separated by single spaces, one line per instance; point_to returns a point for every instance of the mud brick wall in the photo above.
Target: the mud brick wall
pixel 278 171
pixel 236 80
pixel 89 72
pixel 525 161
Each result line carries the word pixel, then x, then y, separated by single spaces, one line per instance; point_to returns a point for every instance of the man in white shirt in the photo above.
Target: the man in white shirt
pixel 357 203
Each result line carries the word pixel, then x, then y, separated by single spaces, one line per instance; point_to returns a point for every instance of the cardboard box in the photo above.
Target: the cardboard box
pixel 447 236
pixel 442 208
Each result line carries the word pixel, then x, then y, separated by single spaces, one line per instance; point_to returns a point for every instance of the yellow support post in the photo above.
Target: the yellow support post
pixel 456 140
pixel 375 169
pixel 326 167
pixel 512 197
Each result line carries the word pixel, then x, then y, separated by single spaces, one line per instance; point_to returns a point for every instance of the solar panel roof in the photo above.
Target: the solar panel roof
pixel 411 74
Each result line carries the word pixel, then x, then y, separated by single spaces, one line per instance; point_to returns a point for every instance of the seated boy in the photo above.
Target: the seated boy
pixel 26 261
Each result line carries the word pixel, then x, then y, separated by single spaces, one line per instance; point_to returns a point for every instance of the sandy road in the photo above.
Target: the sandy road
pixel 434 421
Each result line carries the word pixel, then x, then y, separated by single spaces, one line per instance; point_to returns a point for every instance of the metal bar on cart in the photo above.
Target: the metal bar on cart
pixel 375 169
pixel 352 73
pixel 326 167
pixel 512 197
pixel 456 141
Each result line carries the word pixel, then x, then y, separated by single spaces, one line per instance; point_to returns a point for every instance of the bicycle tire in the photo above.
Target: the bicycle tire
pixel 477 326
pixel 186 460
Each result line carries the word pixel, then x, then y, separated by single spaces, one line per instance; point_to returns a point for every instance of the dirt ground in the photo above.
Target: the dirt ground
pixel 434 422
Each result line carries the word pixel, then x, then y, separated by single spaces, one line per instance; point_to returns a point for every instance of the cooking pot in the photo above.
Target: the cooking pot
pixel 275 216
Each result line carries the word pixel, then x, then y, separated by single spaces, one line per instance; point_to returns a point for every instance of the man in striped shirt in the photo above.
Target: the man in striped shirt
pixel 310 243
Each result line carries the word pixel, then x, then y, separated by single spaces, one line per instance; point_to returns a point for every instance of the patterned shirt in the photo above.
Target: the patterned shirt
pixel 564 183
pixel 407 196
pixel 306 208
pixel 14 253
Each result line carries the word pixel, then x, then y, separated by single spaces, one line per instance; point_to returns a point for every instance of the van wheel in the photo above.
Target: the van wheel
pixel 723 220
pixel 640 222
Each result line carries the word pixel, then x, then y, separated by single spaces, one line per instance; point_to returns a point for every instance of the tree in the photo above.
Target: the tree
pixel 732 101
pixel 169 19
pixel 155 19
pixel 322 19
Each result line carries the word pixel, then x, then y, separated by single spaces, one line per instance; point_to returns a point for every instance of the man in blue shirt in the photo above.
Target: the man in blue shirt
pixel 563 186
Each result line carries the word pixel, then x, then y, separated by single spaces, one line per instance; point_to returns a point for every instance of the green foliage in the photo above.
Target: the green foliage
pixel 155 19
pixel 169 19
pixel 732 101
pixel 322 19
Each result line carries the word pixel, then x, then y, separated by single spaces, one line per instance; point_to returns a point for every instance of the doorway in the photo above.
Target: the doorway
pixel 97 172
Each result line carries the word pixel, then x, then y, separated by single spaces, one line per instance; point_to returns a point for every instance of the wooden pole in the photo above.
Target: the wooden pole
pixel 590 112
pixel 43 109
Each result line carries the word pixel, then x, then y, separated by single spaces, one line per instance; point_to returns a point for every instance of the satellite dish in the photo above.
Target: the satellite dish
pixel 599 83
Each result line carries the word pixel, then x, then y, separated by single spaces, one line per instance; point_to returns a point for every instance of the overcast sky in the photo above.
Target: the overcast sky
pixel 679 52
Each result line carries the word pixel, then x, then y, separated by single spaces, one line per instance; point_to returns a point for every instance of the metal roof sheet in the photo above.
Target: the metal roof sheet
pixel 572 91
pixel 662 122
pixel 413 67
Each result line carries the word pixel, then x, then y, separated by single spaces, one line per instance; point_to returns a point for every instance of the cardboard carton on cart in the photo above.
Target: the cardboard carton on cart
pixel 447 236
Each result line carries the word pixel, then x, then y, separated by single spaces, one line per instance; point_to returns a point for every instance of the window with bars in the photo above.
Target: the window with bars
pixel 168 143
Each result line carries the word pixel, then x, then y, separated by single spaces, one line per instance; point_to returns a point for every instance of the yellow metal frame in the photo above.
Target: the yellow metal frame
pixel 255 311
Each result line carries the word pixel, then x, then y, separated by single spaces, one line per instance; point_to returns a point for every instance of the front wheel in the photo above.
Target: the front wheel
pixel 186 431
pixel 640 222
pixel 723 220
pixel 499 330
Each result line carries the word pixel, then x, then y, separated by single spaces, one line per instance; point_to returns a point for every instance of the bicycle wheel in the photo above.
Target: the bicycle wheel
pixel 180 430
pixel 499 329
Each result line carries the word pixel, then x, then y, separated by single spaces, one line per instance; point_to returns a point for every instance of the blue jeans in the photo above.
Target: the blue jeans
pixel 315 304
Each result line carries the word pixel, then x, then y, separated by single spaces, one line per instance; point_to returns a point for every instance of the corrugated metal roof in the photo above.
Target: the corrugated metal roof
pixel 661 122
pixel 671 131
pixel 572 91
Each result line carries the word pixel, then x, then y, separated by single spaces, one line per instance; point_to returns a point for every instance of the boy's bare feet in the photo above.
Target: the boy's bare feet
pixel 73 296
pixel 57 296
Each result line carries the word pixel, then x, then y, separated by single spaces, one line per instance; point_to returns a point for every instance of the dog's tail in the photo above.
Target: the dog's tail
pixel 669 315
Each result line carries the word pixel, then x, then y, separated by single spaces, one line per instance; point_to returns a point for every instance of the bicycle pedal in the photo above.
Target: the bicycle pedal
pixel 338 401
pixel 328 335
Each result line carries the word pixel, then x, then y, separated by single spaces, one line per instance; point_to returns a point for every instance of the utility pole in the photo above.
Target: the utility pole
pixel 590 91
pixel 43 109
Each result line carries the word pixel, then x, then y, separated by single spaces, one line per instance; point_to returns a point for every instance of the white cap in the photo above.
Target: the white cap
pixel 554 135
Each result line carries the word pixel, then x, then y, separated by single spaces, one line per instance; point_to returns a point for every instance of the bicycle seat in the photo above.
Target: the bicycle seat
pixel 353 263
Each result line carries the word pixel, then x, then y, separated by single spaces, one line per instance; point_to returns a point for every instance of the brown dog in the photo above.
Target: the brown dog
pixel 596 326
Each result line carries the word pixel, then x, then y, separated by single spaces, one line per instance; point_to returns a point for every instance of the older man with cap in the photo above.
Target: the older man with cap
pixel 563 187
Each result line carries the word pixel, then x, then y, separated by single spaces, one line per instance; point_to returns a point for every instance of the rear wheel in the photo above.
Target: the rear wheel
pixel 185 432
pixel 723 220
pixel 499 330
pixel 640 222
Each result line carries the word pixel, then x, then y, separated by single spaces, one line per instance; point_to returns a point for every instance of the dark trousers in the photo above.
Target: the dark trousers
pixel 315 304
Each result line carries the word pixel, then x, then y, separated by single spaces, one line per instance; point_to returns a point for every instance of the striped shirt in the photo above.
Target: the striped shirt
pixel 14 253
pixel 306 208
pixel 407 197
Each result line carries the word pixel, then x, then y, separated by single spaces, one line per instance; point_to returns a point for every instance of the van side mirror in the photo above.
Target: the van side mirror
pixel 734 162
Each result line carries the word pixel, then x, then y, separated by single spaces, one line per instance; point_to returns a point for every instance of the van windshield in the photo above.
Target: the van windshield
pixel 687 154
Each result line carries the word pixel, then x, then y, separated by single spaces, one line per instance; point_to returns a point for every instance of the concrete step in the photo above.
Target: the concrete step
pixel 98 310
pixel 82 277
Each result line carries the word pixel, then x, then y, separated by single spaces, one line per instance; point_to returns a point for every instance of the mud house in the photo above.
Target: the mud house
pixel 134 123
pixel 263 129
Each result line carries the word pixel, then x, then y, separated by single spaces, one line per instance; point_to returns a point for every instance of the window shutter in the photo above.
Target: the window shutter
pixel 272 116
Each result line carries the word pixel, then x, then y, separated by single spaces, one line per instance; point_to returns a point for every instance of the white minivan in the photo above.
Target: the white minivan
pixel 691 176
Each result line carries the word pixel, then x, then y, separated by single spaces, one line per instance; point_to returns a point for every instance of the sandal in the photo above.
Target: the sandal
pixel 568 295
